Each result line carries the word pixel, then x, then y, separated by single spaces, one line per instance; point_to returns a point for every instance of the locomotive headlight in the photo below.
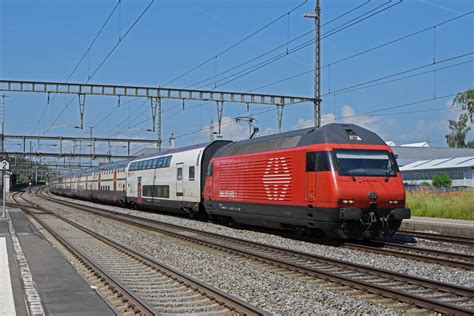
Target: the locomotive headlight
pixel 346 202
pixel 394 202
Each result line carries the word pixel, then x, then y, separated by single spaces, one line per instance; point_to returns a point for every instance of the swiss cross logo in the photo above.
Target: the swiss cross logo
pixel 276 179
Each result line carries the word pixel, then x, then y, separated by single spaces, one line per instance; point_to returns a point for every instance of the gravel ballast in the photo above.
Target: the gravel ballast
pixel 275 292
pixel 410 267
pixel 252 282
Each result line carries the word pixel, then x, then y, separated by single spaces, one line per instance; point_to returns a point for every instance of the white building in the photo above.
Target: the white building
pixel 459 169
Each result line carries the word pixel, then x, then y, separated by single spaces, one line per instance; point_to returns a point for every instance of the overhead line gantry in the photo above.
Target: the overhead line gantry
pixel 59 144
pixel 155 94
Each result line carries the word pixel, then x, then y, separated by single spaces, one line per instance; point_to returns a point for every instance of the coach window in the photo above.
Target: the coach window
pixel 191 173
pixel 159 163
pixel 167 162
pixel 179 174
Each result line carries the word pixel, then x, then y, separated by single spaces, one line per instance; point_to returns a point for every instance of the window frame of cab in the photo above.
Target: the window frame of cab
pixel 319 161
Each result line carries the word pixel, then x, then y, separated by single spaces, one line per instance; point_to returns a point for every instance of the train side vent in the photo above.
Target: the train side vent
pixel 352 135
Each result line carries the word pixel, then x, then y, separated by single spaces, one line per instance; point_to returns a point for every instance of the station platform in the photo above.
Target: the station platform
pixel 35 277
pixel 443 226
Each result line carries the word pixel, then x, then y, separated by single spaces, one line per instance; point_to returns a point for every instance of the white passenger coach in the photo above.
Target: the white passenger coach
pixel 172 180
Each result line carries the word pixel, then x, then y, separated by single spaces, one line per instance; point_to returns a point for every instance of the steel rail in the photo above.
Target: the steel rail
pixel 134 303
pixel 259 255
pixel 447 258
pixel 232 303
pixel 438 237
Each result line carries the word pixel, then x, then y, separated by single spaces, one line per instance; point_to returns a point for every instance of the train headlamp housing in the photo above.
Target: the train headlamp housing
pixel 346 202
pixel 394 202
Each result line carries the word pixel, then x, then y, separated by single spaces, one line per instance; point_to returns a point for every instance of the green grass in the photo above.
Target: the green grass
pixel 457 205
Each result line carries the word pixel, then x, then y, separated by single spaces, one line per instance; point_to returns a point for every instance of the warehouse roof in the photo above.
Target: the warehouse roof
pixel 408 155
pixel 446 163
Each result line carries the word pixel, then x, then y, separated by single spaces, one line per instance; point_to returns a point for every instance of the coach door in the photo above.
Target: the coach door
pixel 115 186
pixel 139 190
pixel 179 180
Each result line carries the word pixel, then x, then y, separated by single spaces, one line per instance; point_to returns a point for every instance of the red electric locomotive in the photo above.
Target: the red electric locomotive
pixel 341 180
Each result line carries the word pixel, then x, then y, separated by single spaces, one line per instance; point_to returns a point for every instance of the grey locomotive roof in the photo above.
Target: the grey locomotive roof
pixel 332 133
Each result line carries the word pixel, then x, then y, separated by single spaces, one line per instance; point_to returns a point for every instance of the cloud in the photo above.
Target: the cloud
pixel 384 127
pixel 230 129
pixel 439 6
pixel 325 119
pixel 268 131
pixel 348 115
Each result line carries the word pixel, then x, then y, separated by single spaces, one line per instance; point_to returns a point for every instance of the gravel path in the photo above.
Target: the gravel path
pixel 272 291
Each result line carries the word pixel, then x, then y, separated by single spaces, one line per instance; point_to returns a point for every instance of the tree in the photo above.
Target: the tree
pixel 466 101
pixel 26 169
pixel 460 129
pixel 441 180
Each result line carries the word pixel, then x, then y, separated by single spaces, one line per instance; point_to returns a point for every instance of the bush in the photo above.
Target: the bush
pixel 442 180
pixel 426 183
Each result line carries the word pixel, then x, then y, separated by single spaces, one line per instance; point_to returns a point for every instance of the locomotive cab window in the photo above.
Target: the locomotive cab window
pixel 210 169
pixel 355 162
pixel 191 173
pixel 319 161
pixel 179 174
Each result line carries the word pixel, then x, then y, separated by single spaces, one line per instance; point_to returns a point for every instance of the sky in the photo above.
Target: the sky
pixel 45 40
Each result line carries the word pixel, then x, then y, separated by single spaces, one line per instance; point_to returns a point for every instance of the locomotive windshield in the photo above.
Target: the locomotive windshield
pixel 352 162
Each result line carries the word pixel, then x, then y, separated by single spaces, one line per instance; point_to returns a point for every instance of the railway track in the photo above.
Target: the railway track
pixel 463 261
pixel 411 291
pixel 146 287
pixel 438 237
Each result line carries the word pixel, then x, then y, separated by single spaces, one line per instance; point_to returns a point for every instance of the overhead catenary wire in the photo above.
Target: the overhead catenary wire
pixel 365 16
pixel 334 30
pixel 105 59
pixel 128 118
pixel 113 110
pixel 269 24
pixel 132 117
pixel 300 36
pixel 237 75
pixel 354 87
pixel 86 52
pixel 247 37
pixel 270 61
pixel 341 92
pixel 359 85
pixel 365 51
pixel 325 121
